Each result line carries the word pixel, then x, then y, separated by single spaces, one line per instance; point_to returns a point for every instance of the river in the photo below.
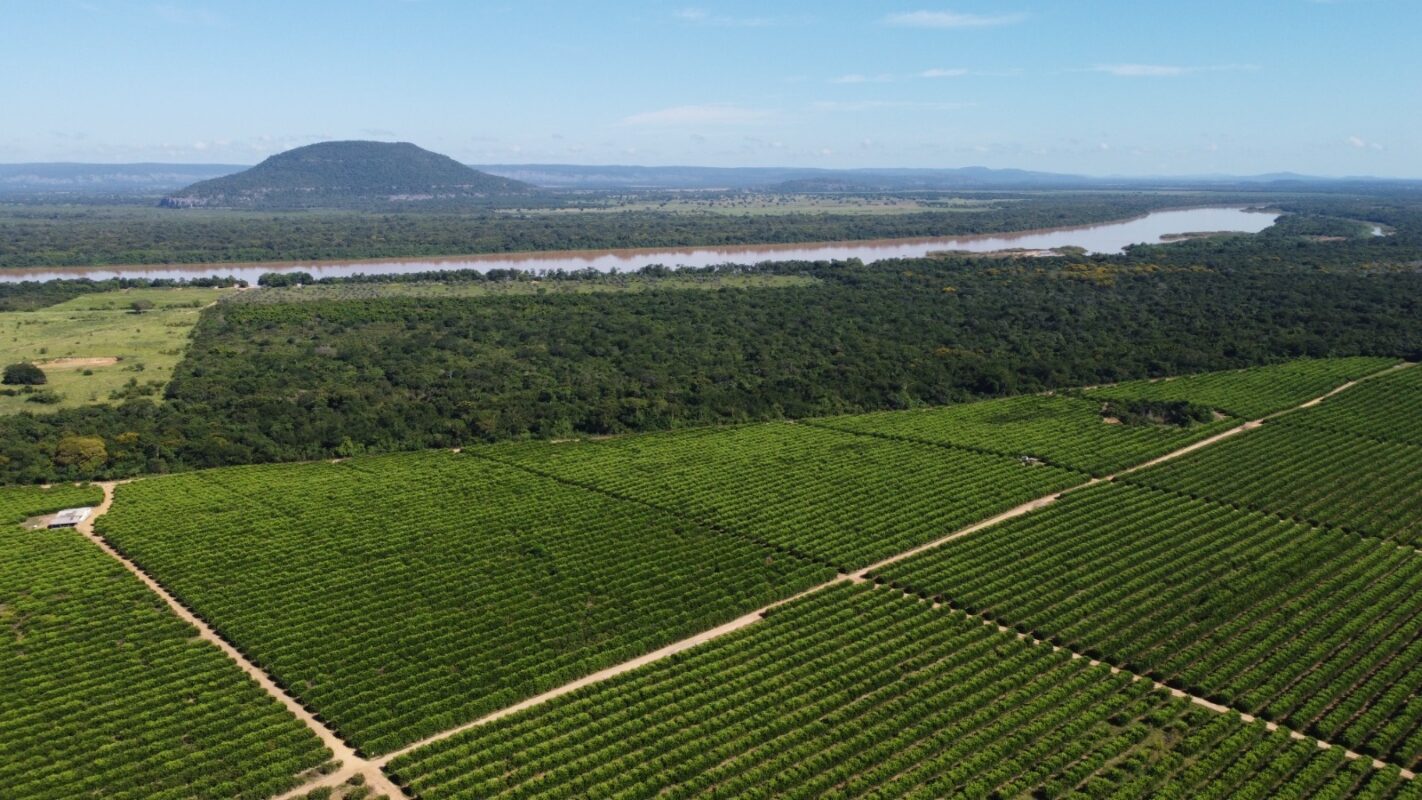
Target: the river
pixel 1110 237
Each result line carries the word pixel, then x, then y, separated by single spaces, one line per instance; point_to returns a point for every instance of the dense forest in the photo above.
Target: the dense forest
pixel 47 236
pixel 295 381
pixel 344 372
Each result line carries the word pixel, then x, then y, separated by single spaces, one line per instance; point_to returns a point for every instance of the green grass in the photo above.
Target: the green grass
pixel 107 694
pixel 148 345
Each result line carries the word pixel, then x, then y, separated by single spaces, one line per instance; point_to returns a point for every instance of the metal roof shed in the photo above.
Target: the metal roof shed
pixel 69 517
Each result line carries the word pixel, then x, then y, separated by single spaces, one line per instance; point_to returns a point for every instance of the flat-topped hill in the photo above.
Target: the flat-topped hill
pixel 346 174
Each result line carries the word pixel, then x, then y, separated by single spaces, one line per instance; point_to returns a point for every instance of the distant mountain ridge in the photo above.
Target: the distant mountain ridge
pixel 78 179
pixel 65 177
pixel 347 174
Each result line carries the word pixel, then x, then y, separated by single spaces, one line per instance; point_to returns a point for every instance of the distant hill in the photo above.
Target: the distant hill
pixel 68 178
pixel 348 175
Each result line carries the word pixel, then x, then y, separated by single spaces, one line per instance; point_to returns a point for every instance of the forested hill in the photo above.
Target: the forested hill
pixel 344 175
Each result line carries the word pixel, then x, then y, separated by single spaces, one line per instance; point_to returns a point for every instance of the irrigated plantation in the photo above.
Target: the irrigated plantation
pixel 842 498
pixel 403 595
pixel 1315 628
pixel 106 694
pixel 857 692
pixel 406 596
pixel 1064 431
pixel 1250 393
pixel 1388 408
pixel 1313 475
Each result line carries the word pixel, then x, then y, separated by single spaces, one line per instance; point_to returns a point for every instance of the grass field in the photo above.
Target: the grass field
pixel 144 347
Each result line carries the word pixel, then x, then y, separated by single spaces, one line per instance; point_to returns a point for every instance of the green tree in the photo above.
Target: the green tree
pixel 24 373
pixel 85 452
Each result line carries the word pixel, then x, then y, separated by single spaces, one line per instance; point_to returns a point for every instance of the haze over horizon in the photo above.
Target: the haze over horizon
pixel 1096 88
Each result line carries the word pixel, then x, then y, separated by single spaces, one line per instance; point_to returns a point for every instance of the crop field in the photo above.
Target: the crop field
pixel 1065 431
pixel 1314 628
pixel 106 694
pixel 18 503
pixel 838 497
pixel 1250 393
pixel 1315 475
pixel 862 692
pixel 120 354
pixel 402 595
pixel 1388 408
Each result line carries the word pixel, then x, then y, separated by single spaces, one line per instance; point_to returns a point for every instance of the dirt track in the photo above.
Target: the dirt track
pixel 353 764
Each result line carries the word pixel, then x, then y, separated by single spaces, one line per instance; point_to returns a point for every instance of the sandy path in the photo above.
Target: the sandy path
pixel 863 575
pixel 351 763
pixel 77 363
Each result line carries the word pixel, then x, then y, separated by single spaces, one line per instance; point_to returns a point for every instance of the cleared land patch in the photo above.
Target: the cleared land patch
pixel 1254 392
pixel 1065 431
pixel 839 497
pixel 106 694
pixel 403 595
pixel 1313 628
pixel 863 692
pixel 96 349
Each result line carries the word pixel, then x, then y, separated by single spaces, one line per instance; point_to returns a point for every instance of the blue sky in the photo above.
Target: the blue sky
pixel 1089 86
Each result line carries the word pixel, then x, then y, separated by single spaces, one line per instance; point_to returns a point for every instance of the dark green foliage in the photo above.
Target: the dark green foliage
pixel 299 381
pixel 859 692
pixel 87 236
pixel 23 374
pixel 407 594
pixel 345 175
pixel 107 694
pixel 1140 411
pixel 1313 628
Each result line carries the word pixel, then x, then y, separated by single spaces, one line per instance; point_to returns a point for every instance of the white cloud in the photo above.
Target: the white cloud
pixel 943 73
pixel 700 16
pixel 878 105
pixel 695 115
pixel 951 20
pixel 1363 144
pixel 858 78
pixel 1164 70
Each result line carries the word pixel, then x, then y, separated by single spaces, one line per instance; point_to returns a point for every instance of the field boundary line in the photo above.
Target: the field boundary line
pixel 863 575
pixel 351 763
pixel 1220 708
pixel 372 769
